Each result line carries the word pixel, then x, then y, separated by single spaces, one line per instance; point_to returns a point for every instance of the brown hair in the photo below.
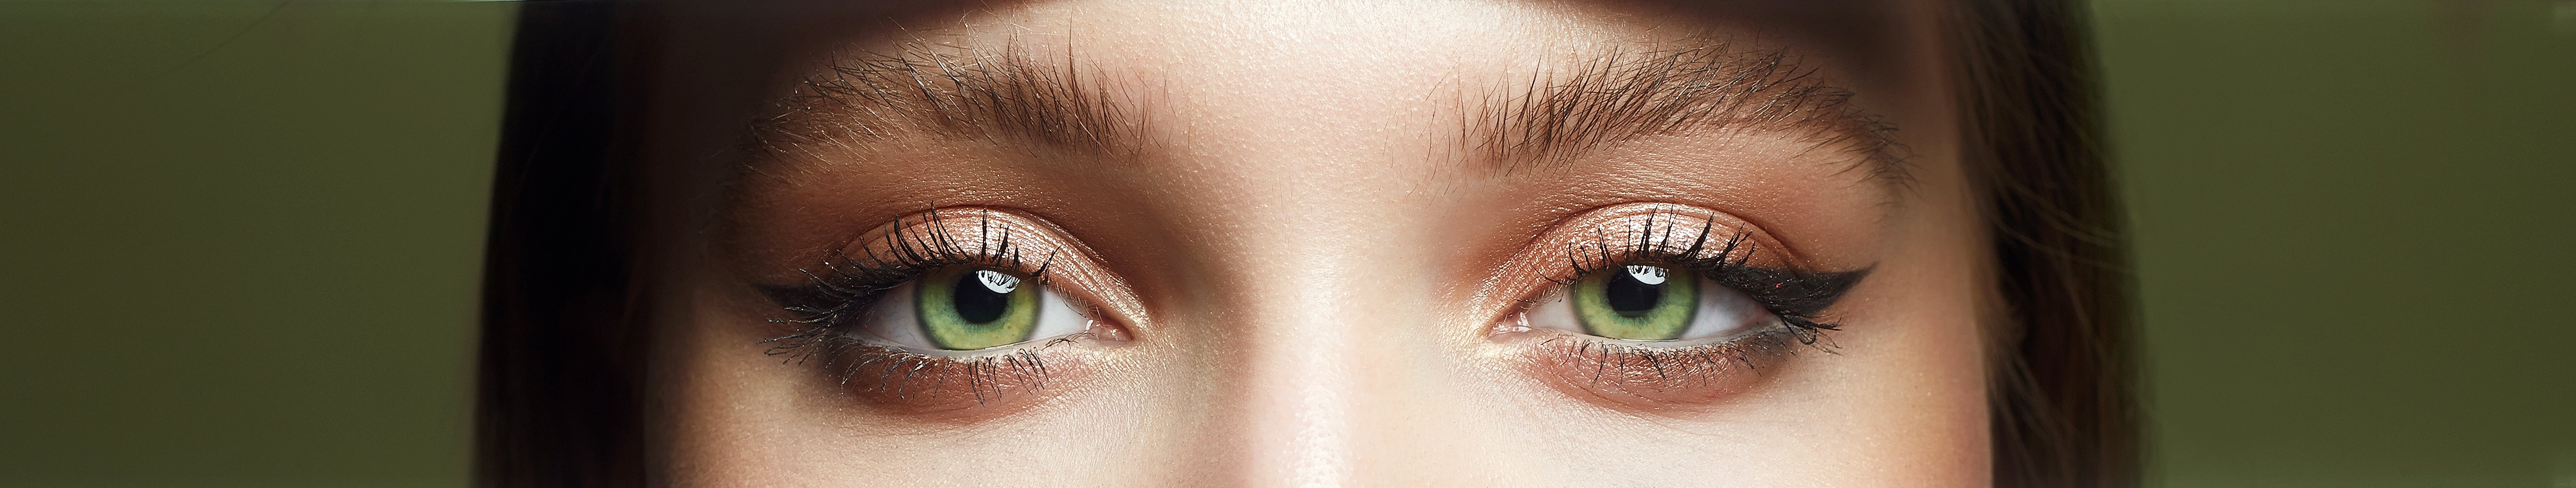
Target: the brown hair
pixel 562 372
pixel 561 375
pixel 2060 406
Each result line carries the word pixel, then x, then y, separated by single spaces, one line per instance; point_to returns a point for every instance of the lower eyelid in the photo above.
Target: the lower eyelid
pixel 1649 377
pixel 933 385
pixel 956 388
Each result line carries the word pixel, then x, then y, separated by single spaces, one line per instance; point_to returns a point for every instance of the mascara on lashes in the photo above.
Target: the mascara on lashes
pixel 846 288
pixel 1656 374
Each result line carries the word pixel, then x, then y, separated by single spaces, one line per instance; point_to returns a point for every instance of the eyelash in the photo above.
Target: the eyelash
pixel 848 285
pixel 1795 295
pixel 900 377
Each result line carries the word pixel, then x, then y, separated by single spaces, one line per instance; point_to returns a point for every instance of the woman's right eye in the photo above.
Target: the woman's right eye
pixel 967 308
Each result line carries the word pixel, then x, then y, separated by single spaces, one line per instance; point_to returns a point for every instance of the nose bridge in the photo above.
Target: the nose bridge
pixel 1339 381
pixel 1300 384
pixel 1312 301
pixel 1302 172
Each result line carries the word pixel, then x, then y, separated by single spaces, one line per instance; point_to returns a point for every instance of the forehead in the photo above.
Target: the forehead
pixel 1869 42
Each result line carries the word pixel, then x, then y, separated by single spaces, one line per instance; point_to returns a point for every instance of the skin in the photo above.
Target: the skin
pixel 1298 274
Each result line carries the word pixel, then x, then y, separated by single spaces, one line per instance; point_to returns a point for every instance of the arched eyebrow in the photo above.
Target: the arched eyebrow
pixel 1557 116
pixel 1004 95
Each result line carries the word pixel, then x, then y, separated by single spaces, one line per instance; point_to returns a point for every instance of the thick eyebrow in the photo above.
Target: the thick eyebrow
pixel 954 93
pixel 1556 116
pixel 1560 115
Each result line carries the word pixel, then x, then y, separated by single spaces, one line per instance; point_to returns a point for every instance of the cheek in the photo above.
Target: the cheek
pixel 723 411
pixel 1914 381
pixel 1931 406
pixel 726 415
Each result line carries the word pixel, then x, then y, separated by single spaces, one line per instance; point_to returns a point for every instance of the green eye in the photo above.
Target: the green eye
pixel 966 308
pixel 1636 302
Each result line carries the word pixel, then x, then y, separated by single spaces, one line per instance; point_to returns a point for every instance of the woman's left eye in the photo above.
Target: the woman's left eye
pixel 1648 302
pixel 965 308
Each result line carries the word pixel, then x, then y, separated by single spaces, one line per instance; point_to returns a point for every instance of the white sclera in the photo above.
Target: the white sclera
pixel 1724 311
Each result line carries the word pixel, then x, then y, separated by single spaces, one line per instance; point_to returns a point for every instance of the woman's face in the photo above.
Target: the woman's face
pixel 1433 243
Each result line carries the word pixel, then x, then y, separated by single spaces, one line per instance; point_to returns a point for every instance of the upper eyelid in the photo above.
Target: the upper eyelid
pixel 1621 233
pixel 1002 238
pixel 1616 234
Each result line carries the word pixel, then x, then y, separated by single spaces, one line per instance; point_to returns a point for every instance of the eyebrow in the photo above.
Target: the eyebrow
pixel 1618 97
pixel 1555 117
pixel 1004 95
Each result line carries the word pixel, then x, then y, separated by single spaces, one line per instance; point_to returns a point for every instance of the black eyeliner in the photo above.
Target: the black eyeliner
pixel 842 288
pixel 1796 296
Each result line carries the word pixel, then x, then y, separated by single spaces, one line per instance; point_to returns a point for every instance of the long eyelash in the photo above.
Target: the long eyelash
pixel 1796 296
pixel 847 285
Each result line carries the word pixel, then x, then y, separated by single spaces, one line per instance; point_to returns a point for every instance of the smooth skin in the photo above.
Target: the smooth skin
pixel 1307 270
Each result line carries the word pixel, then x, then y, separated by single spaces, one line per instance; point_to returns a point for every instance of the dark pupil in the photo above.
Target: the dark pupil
pixel 1629 297
pixel 974 302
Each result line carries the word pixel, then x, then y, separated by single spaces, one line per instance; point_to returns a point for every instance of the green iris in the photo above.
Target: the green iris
pixel 1638 303
pixel 963 308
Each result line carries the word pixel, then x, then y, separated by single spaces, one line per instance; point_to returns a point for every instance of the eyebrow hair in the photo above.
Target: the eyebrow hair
pixel 1556 117
pixel 1617 97
pixel 954 92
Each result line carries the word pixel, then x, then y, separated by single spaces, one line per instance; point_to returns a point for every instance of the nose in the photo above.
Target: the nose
pixel 1346 375
pixel 1340 373
pixel 1304 358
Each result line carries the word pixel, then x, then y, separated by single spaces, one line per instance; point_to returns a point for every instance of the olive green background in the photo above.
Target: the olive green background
pixel 2352 225
pixel 239 241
